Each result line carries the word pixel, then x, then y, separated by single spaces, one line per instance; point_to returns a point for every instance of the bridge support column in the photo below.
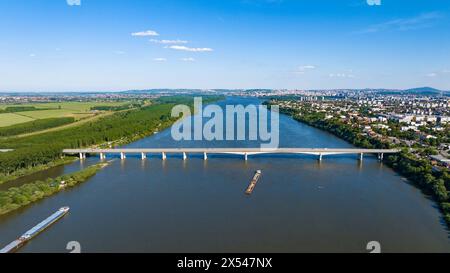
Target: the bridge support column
pixel 320 157
pixel 102 156
pixel 184 156
pixel 246 157
pixel 122 156
pixel 82 156
pixel 361 157
pixel 163 156
pixel 143 156
pixel 205 156
pixel 381 156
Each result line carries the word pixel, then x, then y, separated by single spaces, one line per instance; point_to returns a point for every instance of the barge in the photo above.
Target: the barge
pixel 253 183
pixel 27 236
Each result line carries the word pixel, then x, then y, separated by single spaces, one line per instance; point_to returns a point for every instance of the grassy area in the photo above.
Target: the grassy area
pixel 34 126
pixel 74 106
pixel 77 110
pixel 9 119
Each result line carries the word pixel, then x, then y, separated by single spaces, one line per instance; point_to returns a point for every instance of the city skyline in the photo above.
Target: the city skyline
pixel 105 45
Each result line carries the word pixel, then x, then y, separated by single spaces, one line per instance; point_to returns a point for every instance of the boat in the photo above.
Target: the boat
pixel 253 183
pixel 15 245
pixel 44 224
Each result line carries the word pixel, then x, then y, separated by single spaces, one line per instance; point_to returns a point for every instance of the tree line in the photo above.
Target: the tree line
pixel 15 198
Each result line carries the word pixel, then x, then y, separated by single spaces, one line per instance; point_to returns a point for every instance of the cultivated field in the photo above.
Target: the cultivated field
pixel 8 119
pixel 78 110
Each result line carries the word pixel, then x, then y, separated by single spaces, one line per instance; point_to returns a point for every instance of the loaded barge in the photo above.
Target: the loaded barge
pixel 14 246
pixel 252 185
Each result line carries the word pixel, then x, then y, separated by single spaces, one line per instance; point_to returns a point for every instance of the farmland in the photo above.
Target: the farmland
pixel 77 110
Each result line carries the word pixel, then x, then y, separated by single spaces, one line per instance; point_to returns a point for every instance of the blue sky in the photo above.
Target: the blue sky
pixel 108 45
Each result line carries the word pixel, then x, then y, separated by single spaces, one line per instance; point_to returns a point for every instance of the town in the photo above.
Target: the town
pixel 420 122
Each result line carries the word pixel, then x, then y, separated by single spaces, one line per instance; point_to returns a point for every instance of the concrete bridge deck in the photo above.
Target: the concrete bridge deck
pixel 236 151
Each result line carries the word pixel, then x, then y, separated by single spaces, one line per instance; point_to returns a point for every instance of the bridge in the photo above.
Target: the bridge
pixel 5 150
pixel 245 152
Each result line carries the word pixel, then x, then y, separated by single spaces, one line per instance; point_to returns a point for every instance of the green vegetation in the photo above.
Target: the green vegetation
pixel 21 113
pixel 418 171
pixel 13 109
pixel 34 169
pixel 34 126
pixel 44 148
pixel 15 198
pixel 116 108
pixel 8 119
pixel 35 151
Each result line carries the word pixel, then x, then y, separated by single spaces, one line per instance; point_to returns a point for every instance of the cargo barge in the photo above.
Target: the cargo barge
pixel 27 236
pixel 253 183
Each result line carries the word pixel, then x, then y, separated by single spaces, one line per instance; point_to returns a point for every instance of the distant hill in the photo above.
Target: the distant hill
pixel 427 91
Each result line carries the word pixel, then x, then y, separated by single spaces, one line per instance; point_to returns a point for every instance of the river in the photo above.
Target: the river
pixel 299 205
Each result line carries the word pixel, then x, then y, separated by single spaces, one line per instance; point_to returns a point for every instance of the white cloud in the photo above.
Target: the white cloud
pixel 402 24
pixel 160 59
pixel 190 49
pixel 166 42
pixel 32 55
pixel 302 69
pixel 341 75
pixel 431 75
pixel 73 2
pixel 145 33
pixel 188 59
pixel 305 67
pixel 119 52
pixel 446 71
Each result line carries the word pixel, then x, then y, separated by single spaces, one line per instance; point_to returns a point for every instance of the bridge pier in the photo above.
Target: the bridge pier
pixel 143 156
pixel 381 156
pixel 102 156
pixel 82 156
pixel 123 156
pixel 163 156
pixel 184 156
pixel 246 157
pixel 361 157
pixel 320 157
pixel 205 156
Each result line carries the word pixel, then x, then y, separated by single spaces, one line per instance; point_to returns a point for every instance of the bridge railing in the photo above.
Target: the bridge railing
pixel 320 152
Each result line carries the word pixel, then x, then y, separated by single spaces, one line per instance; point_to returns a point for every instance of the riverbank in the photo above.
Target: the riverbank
pixel 29 171
pixel 313 198
pixel 416 170
pixel 39 152
pixel 27 194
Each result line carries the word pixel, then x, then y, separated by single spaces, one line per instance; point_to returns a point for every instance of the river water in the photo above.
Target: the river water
pixel 299 205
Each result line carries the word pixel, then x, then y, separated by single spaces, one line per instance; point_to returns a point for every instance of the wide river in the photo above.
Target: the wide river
pixel 299 205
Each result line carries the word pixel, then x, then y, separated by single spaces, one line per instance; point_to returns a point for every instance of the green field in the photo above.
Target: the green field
pixel 78 110
pixel 11 119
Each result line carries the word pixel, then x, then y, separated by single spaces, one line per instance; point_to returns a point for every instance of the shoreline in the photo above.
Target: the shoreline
pixel 433 187
pixel 66 160
pixel 30 171
pixel 15 198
